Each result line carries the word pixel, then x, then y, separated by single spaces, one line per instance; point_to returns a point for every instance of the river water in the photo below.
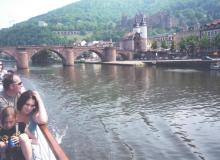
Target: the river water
pixel 104 112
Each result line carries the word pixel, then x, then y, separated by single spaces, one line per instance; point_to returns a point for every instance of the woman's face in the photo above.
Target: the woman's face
pixel 28 107
pixel 9 122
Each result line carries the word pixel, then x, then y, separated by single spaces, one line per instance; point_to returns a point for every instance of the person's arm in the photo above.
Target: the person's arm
pixel 32 137
pixel 40 117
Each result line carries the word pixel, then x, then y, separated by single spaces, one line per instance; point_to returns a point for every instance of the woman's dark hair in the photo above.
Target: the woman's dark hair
pixel 24 98
pixel 7 112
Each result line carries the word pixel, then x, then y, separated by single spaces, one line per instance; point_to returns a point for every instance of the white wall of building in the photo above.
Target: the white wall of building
pixel 143 31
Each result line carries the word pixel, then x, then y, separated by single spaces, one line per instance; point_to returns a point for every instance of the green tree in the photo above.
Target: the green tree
pixel 189 45
pixel 182 45
pixel 204 43
pixel 217 41
pixel 173 46
pixel 154 45
pixel 164 45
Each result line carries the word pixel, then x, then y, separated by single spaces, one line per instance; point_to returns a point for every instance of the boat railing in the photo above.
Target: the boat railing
pixel 55 147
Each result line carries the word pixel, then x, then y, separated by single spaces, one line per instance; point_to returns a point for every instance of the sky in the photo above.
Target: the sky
pixel 15 11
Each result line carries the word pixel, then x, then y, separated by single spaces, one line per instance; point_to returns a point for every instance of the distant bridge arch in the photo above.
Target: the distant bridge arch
pixel 38 51
pixel 98 52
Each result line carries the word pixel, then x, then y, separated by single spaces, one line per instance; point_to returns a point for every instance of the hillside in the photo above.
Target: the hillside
pixel 98 20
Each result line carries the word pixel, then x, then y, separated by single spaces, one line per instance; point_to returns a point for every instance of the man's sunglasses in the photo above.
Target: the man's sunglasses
pixel 20 83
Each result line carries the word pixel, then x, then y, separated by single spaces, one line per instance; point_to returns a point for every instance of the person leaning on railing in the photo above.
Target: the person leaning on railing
pixel 31 109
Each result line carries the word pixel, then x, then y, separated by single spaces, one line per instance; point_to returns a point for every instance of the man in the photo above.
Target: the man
pixel 12 86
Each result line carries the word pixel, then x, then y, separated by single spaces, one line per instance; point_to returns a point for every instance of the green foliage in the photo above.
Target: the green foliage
pixel 183 45
pixel 100 20
pixel 164 45
pixel 173 46
pixel 217 41
pixel 204 43
pixel 190 44
pixel 154 45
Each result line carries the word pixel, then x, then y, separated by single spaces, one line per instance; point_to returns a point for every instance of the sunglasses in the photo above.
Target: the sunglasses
pixel 20 83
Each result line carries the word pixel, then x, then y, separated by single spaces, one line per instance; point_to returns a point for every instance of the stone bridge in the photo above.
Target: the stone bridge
pixel 67 53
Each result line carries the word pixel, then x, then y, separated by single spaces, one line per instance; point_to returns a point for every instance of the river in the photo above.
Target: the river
pixel 104 112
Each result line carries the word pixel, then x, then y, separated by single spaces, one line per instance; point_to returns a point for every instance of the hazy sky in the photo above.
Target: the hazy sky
pixel 14 11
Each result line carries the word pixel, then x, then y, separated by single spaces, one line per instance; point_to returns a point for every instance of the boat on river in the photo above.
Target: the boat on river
pixel 48 148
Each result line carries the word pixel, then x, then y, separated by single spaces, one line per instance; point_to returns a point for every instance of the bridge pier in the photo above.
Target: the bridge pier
pixel 69 57
pixel 22 60
pixel 109 54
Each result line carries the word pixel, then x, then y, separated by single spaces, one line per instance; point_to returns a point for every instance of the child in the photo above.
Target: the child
pixel 14 137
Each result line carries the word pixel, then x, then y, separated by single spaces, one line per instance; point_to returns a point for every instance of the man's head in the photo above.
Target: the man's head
pixel 12 83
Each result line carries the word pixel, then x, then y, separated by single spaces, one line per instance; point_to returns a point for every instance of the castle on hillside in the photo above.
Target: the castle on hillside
pixel 137 39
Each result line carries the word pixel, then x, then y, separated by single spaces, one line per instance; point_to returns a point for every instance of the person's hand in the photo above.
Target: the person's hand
pixel 38 97
pixel 2 145
pixel 15 139
pixel 36 94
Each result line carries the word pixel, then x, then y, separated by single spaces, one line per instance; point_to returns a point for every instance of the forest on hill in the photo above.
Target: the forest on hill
pixel 98 20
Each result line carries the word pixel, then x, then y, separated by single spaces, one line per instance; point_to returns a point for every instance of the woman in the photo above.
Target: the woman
pixel 31 110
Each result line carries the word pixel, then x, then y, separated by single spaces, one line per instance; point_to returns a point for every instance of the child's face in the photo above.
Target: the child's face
pixel 9 122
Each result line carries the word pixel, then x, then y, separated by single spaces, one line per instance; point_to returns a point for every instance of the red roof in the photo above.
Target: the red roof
pixel 215 22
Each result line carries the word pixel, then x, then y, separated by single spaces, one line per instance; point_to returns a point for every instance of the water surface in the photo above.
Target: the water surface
pixel 128 113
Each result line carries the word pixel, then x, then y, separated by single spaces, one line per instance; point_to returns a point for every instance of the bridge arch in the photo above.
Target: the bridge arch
pixel 9 53
pixel 99 53
pixel 57 52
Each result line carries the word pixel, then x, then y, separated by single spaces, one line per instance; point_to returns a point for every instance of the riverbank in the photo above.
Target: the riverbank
pixel 127 63
pixel 187 63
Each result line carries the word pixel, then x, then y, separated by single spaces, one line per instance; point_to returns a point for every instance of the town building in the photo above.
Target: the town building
pixel 166 38
pixel 137 39
pixel 186 33
pixel 42 24
pixel 67 33
pixel 211 29
pixel 162 19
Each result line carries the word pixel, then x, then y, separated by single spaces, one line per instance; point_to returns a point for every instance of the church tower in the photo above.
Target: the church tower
pixel 143 27
pixel 136 27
